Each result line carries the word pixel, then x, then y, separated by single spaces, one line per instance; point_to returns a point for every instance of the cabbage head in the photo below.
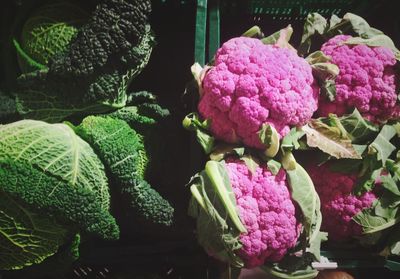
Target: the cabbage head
pixel 52 186
pixel 47 31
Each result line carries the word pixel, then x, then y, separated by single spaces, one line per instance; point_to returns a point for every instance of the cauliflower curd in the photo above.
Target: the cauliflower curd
pixel 251 84
pixel 266 210
pixel 366 80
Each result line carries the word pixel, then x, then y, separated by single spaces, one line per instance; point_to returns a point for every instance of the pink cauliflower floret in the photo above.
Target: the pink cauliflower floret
pixel 338 204
pixel 366 80
pixel 267 212
pixel 252 84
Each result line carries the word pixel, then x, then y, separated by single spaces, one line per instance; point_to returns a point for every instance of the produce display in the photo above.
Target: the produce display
pixel 298 148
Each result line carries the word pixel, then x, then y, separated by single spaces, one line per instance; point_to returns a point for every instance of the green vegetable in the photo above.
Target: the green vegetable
pixel 26 235
pixel 122 151
pixel 48 30
pixel 48 168
pixel 94 71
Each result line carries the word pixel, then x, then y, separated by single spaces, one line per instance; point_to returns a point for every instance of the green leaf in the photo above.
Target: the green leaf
pixel 291 140
pixel 315 244
pixel 250 163
pixel 359 128
pixel 367 181
pixel 328 88
pixel 382 143
pixel 372 223
pixel 315 24
pixel 304 194
pixel 288 161
pixel 384 211
pixel 389 184
pixel 253 32
pixel 329 139
pixel 33 104
pixel 270 138
pixel 64 170
pixel 353 24
pixel 239 151
pixel 273 166
pixel 280 38
pixel 205 140
pixel 192 122
pixel 26 236
pixel 220 151
pixel 215 232
pixel 219 177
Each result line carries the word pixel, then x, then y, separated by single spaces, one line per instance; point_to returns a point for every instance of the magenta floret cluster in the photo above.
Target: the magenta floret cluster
pixel 366 80
pixel 338 204
pixel 267 212
pixel 251 84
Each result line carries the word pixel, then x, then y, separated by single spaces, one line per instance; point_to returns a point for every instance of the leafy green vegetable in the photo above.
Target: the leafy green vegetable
pixel 97 66
pixel 49 29
pixel 26 235
pixel 122 151
pixel 47 168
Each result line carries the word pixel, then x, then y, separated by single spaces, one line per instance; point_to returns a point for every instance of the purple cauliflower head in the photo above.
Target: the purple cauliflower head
pixel 251 84
pixel 338 204
pixel 366 80
pixel 267 212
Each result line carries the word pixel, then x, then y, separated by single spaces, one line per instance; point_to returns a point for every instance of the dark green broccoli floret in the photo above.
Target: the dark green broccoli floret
pixel 122 151
pixel 75 204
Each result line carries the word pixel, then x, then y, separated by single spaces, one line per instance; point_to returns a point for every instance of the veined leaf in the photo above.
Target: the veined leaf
pixel 215 232
pixel 315 24
pixel 372 223
pixel 389 184
pixel 329 140
pixel 26 236
pixel 304 194
pixel 382 143
pixel 359 128
pixel 219 177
